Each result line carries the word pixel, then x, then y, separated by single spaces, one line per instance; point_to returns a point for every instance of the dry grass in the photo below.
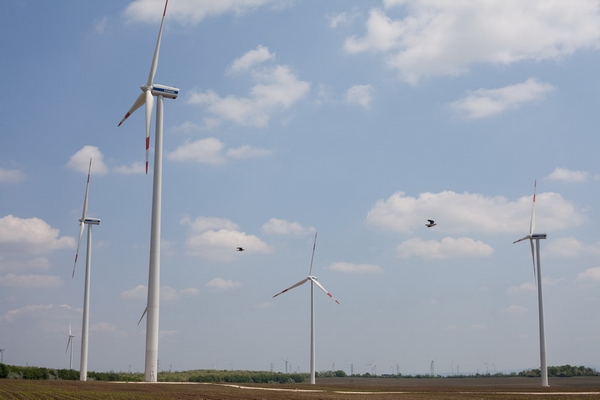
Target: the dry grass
pixel 326 388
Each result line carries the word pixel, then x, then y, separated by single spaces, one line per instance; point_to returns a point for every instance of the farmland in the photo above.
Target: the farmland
pixel 326 388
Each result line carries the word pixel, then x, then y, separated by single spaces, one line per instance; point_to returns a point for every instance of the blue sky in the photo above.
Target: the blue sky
pixel 358 120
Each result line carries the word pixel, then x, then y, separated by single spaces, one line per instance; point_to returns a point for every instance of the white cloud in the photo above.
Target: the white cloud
pixel 355 268
pixel 80 161
pixel 360 94
pixel 31 281
pixel 135 168
pixel 101 25
pixel 483 103
pixel 190 11
pixel 472 212
pixel 212 151
pixel 532 285
pixel 283 227
pixel 167 293
pixel 202 224
pixel 218 238
pixel 11 175
pixel 338 19
pixel 8 264
pixel 439 37
pixel 276 89
pixel 252 58
pixel 223 284
pixel 514 309
pixel 103 327
pixel 30 235
pixel 590 274
pixel 566 175
pixel 446 248
pixel 570 247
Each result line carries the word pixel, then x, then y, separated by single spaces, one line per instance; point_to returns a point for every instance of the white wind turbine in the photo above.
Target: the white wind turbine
pixel 85 220
pixel 536 256
pixel 313 282
pixel 149 90
pixel 70 343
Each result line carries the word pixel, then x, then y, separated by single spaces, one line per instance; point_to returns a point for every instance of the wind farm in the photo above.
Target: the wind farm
pixel 413 160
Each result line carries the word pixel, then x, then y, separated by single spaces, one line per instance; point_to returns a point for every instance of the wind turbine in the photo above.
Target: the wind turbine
pixel 313 281
pixel 70 343
pixel 149 90
pixel 85 220
pixel 536 256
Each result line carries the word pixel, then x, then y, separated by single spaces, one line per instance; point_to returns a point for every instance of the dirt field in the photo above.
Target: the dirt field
pixel 326 388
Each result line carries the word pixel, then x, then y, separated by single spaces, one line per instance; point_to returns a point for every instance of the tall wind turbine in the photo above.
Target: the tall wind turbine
pixel 85 220
pixel 536 256
pixel 70 343
pixel 313 281
pixel 149 90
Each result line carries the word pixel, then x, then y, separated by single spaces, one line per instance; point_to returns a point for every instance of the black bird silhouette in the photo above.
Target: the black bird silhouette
pixel 240 249
pixel 430 224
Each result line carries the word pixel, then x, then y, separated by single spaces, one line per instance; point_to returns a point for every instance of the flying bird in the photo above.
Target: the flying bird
pixel 240 249
pixel 431 223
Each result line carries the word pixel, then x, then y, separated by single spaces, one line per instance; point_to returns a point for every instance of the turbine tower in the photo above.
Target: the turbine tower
pixel 536 256
pixel 85 220
pixel 70 343
pixel 313 281
pixel 149 90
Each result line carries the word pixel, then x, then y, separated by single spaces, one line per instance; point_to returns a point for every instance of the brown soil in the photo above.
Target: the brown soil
pixel 326 388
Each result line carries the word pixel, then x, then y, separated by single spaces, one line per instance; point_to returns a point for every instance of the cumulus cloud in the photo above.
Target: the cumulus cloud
pixel 217 239
pixel 446 248
pixel 212 151
pixel 472 212
pixel 570 247
pixel 566 175
pixel 514 309
pixel 80 161
pixel 223 284
pixel 252 58
pixel 135 168
pixel 355 268
pixel 32 236
pixel 190 11
pixel 590 274
pixel 276 89
pixel 531 286
pixel 361 95
pixel 31 281
pixel 439 37
pixel 483 103
pixel 283 227
pixel 11 175
pixel 140 292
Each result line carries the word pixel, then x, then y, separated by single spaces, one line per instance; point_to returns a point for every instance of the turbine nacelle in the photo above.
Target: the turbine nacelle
pixel 91 221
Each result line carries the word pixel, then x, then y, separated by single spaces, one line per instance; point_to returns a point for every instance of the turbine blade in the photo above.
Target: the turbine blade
pixel 144 313
pixel 533 260
pixel 323 289
pixel 137 104
pixel 313 255
pixel 149 106
pixel 68 343
pixel 83 215
pixel 532 223
pixel 523 238
pixel 293 286
pixel 157 49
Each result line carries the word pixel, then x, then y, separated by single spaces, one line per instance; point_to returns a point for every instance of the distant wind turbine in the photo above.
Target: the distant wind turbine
pixel 149 90
pixel 313 282
pixel 85 220
pixel 70 343
pixel 536 255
